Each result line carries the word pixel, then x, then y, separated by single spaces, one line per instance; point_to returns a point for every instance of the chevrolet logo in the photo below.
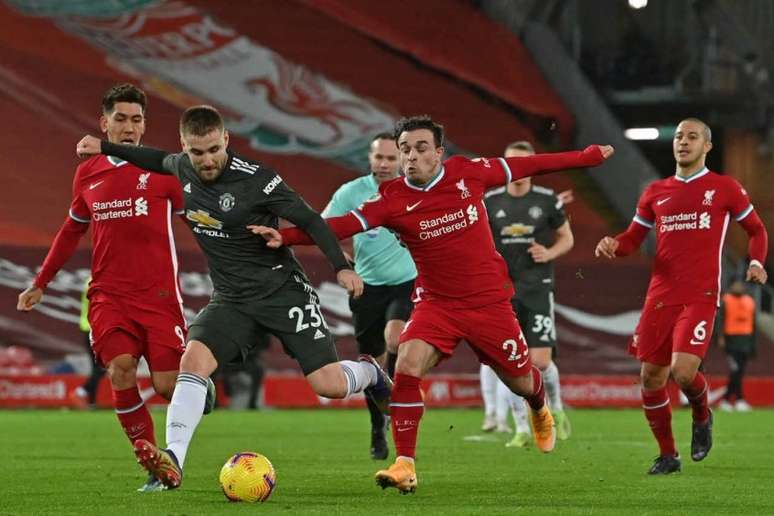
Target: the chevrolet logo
pixel 203 218
pixel 517 230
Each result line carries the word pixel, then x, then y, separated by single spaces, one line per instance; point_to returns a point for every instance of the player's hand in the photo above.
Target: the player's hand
pixel 606 150
pixel 566 197
pixel 540 253
pixel 272 236
pixel 351 281
pixel 756 274
pixel 88 146
pixel 606 247
pixel 29 298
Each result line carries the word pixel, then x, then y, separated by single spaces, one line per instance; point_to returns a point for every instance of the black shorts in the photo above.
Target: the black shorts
pixel 230 329
pixel 535 311
pixel 372 310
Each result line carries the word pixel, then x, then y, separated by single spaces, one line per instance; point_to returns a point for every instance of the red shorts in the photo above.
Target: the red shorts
pixel 123 326
pixel 664 330
pixel 492 332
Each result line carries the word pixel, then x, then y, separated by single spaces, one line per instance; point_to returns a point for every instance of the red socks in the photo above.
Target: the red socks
pixel 406 409
pixel 133 415
pixel 697 396
pixel 658 412
pixel 538 397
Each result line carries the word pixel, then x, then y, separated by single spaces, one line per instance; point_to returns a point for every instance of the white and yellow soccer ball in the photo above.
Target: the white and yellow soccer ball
pixel 248 477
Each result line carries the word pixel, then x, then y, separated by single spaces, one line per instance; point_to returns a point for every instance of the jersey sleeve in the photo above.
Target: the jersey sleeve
pixel 739 204
pixel 279 198
pixel 372 213
pixel 491 172
pixel 173 163
pixel 556 215
pixel 644 214
pixel 499 171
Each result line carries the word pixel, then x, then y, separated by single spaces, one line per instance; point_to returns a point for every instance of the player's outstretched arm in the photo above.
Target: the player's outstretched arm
pixel 343 227
pixel 146 158
pixel 591 156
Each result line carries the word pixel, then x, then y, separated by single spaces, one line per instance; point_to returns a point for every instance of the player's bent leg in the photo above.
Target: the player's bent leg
pixel 685 371
pixel 531 387
pixel 542 359
pixel 415 358
pixel 340 379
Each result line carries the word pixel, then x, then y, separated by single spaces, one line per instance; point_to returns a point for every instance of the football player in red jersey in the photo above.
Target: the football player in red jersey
pixel 462 290
pixel 136 308
pixel 690 212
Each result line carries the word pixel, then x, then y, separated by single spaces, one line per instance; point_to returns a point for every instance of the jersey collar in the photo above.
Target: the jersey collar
pixel 115 161
pixel 703 172
pixel 434 181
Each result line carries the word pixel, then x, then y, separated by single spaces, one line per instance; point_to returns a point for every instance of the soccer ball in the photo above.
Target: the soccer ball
pixel 248 477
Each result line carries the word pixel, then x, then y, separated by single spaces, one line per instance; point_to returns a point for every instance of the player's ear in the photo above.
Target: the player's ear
pixel 103 123
pixel 182 142
pixel 439 152
pixel 225 138
pixel 707 147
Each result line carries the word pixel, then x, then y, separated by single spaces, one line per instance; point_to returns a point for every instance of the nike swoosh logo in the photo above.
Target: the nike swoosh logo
pixel 696 342
pixel 662 201
pixel 404 429
pixel 410 207
pixel 95 185
pixel 521 364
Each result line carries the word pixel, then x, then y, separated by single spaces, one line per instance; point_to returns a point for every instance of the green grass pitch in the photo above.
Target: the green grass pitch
pixel 80 463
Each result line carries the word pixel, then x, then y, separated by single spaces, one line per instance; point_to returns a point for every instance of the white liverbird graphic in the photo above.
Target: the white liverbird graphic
pixel 708 194
pixel 463 188
pixel 143 184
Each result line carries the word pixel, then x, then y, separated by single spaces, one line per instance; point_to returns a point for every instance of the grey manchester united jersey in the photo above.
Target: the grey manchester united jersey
pixel 518 222
pixel 241 265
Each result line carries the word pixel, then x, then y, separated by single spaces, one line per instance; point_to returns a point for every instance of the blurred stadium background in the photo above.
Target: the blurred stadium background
pixel 305 84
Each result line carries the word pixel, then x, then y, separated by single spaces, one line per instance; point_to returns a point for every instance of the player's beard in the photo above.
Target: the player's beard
pixel 209 175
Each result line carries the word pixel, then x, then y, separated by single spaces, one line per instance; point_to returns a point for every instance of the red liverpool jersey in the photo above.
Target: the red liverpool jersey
pixel 445 227
pixel 130 212
pixel 690 217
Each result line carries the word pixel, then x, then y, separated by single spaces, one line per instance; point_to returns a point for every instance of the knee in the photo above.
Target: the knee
pixel 651 381
pixel 409 365
pixel 683 377
pixel 122 372
pixel 328 381
pixel 198 359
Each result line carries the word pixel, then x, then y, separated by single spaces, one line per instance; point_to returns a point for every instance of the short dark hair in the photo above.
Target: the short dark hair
pixel 707 131
pixel 200 120
pixel 413 123
pixel 123 93
pixel 522 145
pixel 382 136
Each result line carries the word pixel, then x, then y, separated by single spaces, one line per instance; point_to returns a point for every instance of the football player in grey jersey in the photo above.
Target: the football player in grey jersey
pixel 257 289
pixel 530 230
